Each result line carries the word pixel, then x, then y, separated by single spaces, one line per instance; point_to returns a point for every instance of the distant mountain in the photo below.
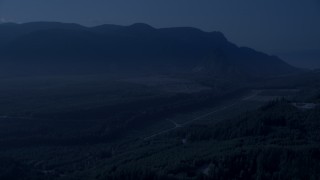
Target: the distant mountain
pixel 46 47
pixel 305 59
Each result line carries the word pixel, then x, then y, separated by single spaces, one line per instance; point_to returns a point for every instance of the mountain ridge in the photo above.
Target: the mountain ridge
pixel 138 47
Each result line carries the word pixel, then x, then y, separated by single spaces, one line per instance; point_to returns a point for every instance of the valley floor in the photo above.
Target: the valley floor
pixel 137 131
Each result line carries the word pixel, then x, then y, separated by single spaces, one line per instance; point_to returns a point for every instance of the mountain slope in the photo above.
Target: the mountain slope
pixel 137 48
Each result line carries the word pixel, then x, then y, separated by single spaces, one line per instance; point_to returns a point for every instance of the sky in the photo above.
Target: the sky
pixel 266 25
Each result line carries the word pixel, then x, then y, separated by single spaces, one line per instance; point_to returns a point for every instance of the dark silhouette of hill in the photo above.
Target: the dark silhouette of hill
pixel 59 48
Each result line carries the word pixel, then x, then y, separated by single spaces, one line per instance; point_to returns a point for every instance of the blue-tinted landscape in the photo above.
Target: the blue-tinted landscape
pixel 198 91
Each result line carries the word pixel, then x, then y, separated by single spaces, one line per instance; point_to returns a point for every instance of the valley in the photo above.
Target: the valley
pixel 115 124
pixel 138 102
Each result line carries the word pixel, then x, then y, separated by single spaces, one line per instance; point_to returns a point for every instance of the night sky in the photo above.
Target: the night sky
pixel 267 25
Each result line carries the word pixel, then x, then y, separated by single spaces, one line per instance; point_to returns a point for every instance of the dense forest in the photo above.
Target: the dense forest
pixel 274 139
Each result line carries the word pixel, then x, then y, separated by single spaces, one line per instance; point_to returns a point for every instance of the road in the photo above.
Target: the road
pixel 176 125
pixel 251 96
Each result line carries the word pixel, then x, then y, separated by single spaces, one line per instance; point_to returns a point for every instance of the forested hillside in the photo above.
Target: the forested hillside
pixel 277 141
